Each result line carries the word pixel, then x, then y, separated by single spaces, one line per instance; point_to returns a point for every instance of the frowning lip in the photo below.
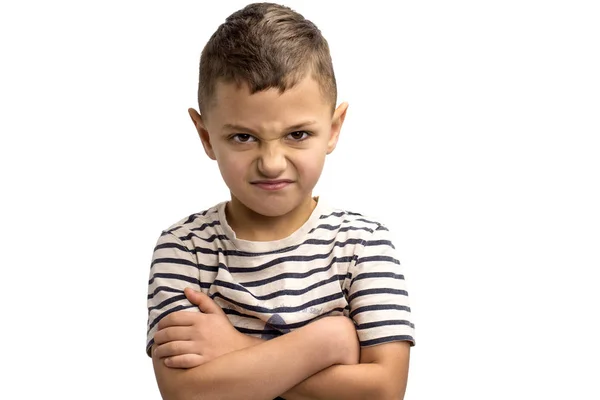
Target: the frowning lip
pixel 275 184
pixel 272 182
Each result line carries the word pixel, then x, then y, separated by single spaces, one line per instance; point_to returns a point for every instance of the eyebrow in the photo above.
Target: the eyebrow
pixel 289 128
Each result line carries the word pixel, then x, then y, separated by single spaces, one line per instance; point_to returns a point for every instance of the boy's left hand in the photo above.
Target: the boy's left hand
pixel 189 339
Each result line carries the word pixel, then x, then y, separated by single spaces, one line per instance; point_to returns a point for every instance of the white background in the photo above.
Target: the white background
pixel 473 132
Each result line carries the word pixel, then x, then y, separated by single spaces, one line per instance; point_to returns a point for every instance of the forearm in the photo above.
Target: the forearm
pixel 343 382
pixel 346 382
pixel 260 372
pixel 368 380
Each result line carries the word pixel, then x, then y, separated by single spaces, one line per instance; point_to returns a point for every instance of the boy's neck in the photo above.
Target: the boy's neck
pixel 251 226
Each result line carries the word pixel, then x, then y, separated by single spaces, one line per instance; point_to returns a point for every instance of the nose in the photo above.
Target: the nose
pixel 272 161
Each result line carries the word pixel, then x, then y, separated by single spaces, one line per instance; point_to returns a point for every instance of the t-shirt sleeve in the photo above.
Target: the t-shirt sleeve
pixel 378 294
pixel 173 268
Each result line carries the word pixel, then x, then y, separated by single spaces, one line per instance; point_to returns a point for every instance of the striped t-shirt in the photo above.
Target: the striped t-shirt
pixel 337 263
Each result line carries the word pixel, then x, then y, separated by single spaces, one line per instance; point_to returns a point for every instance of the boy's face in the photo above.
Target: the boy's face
pixel 270 147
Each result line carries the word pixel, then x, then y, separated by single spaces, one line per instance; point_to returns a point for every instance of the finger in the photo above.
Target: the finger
pixel 174 349
pixel 172 334
pixel 203 301
pixel 184 361
pixel 179 318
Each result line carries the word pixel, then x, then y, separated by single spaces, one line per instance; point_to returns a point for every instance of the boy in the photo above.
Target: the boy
pixel 274 293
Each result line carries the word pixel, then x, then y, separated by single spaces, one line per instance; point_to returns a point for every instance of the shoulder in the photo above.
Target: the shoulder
pixel 358 223
pixel 205 222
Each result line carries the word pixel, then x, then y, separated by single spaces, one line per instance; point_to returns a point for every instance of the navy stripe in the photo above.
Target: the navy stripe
pixel 276 310
pixel 206 225
pixel 173 276
pixel 238 253
pixel 369 325
pixel 356 228
pixel 247 331
pixel 173 245
pixel 231 311
pixel 333 214
pixel 203 285
pixel 280 260
pixel 340 229
pixel 161 316
pixel 285 292
pixel 209 239
pixel 163 289
pixel 379 243
pixel 193 217
pixel 379 307
pixel 377 258
pixel 353 213
pixel 149 347
pixel 168 301
pixel 326 227
pixel 377 291
pixel 330 241
pixel 369 222
pixel 368 275
pixel 343 213
pixel 297 275
pixel 170 231
pixel 387 339
pixel 171 260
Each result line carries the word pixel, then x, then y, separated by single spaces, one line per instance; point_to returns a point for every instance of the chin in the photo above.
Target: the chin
pixel 271 207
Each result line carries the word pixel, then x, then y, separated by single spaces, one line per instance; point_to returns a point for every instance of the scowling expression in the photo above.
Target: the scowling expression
pixel 270 146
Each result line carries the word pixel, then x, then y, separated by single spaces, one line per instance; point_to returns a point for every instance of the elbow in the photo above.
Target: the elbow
pixel 392 393
pixel 181 391
pixel 389 395
pixel 175 384
pixel 179 394
pixel 392 389
pixel 168 393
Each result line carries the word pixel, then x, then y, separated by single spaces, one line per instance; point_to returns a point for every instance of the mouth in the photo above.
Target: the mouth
pixel 277 184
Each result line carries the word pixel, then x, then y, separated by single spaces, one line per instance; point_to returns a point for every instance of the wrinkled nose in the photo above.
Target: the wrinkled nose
pixel 272 162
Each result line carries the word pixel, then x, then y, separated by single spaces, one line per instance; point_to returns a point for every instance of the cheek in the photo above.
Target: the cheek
pixel 234 166
pixel 310 167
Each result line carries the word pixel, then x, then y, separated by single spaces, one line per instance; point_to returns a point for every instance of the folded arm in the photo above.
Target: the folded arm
pixel 381 375
pixel 260 372
pixel 299 364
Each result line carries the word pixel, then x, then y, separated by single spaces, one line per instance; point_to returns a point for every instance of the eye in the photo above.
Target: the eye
pixel 299 135
pixel 243 138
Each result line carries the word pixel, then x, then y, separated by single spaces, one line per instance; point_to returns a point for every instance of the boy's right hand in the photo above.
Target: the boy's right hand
pixel 187 339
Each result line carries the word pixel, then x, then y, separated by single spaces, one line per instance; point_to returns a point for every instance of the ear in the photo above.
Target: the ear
pixel 202 132
pixel 336 126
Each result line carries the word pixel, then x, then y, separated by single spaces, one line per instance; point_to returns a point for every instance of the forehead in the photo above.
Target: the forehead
pixel 235 104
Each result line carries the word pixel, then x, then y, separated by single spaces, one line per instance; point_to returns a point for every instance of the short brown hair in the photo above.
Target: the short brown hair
pixel 265 45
